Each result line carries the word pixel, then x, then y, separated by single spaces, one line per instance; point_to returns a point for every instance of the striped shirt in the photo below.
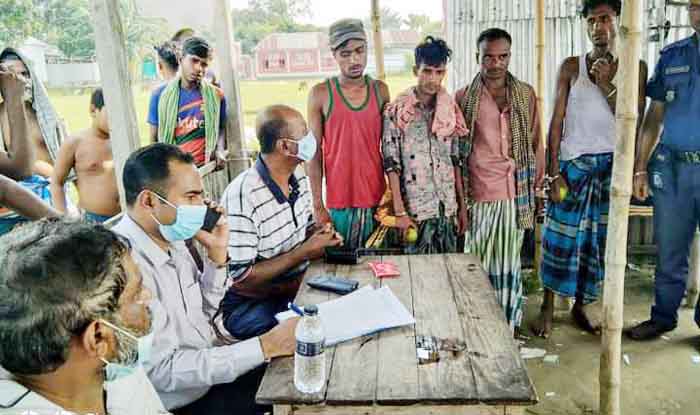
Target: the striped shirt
pixel 263 222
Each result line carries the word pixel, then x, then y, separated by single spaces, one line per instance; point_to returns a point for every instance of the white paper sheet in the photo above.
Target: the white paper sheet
pixel 361 312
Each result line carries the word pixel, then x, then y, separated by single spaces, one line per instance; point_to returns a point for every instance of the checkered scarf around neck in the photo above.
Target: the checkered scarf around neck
pixel 46 115
pixel 521 140
pixel 168 107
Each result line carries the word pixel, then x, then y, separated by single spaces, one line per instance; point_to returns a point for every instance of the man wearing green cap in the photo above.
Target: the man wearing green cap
pixel 344 112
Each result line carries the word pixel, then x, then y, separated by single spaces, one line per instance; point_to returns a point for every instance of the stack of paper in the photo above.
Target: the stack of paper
pixel 359 313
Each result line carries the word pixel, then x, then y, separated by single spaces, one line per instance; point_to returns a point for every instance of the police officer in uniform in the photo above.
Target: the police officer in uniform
pixel 672 173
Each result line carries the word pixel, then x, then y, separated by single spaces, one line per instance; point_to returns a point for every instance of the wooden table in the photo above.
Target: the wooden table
pixel 450 297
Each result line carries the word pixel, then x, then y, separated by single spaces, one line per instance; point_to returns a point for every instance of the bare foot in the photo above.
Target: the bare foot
pixel 542 326
pixel 586 318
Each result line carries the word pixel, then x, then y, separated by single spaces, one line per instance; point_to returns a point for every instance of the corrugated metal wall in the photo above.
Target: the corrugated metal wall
pixel 565 36
pixel 466 19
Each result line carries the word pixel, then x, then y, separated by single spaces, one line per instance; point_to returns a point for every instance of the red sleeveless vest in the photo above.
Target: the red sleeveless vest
pixel 351 149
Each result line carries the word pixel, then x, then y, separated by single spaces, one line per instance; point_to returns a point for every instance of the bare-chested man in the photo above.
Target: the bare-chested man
pixel 89 152
pixel 17 161
pixel 42 131
pixel 345 115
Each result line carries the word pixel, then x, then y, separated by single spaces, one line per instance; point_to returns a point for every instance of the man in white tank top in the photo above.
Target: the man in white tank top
pixel 581 144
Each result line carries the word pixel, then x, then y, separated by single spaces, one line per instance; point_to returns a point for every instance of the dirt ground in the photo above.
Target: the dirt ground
pixel 660 379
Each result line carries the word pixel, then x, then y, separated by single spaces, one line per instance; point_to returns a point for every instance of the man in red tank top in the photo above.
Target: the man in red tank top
pixel 344 113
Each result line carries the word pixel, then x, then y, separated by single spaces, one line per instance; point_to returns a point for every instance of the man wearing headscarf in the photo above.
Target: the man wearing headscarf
pixel 42 130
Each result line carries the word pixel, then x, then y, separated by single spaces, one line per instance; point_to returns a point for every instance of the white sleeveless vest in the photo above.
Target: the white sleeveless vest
pixel 589 125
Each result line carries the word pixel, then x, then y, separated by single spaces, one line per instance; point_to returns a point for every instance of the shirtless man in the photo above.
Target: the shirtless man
pixel 42 133
pixel 89 152
pixel 16 163
pixel 43 164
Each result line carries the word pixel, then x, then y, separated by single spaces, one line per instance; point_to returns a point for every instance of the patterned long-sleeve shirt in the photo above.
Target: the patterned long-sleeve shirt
pixel 424 162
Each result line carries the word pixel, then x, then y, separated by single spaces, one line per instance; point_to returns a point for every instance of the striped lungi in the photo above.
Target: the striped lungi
pixel 36 184
pixel 573 243
pixel 496 239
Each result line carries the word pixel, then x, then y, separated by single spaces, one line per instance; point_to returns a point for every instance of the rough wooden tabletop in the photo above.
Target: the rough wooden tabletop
pixel 450 297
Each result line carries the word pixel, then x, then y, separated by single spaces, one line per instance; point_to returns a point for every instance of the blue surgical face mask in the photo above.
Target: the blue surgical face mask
pixel 306 147
pixel 114 371
pixel 188 221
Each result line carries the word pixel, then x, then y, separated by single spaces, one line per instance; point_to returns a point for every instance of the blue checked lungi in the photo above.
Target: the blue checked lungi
pixel 36 184
pixel 573 243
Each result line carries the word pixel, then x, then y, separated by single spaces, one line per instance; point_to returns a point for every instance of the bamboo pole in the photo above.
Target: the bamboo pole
pixel 540 69
pixel 223 27
pixel 113 64
pixel 377 39
pixel 620 193
pixel 540 51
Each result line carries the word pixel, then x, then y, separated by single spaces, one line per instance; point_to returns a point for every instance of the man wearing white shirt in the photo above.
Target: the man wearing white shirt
pixel 190 370
pixel 73 323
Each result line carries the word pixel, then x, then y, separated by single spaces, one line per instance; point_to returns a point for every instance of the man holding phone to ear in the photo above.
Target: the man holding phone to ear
pixel 192 373
pixel 270 214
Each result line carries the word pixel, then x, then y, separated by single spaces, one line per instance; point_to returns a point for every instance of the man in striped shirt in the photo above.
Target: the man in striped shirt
pixel 270 214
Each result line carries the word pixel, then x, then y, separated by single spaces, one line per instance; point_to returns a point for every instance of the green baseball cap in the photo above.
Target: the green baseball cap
pixel 344 30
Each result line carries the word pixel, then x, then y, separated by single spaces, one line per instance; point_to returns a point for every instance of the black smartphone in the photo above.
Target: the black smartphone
pixel 210 219
pixel 333 284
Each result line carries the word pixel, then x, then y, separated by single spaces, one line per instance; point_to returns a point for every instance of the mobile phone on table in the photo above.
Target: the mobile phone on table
pixel 333 284
pixel 212 216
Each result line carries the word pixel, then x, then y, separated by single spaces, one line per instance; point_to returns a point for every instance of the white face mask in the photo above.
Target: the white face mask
pixel 118 370
pixel 306 147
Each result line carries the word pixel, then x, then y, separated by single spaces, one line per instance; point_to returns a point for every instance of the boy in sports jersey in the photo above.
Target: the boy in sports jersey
pixel 189 111
pixel 344 113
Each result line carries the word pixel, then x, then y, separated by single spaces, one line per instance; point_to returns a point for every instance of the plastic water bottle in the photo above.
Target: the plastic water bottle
pixel 310 358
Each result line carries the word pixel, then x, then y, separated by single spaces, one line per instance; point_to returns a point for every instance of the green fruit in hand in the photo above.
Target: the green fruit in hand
pixel 411 235
pixel 563 191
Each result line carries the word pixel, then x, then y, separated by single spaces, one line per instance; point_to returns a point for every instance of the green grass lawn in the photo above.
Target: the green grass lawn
pixel 73 105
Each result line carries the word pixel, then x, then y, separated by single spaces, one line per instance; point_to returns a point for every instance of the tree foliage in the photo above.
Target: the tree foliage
pixel 67 24
pixel 390 19
pixel 263 17
pixel 18 20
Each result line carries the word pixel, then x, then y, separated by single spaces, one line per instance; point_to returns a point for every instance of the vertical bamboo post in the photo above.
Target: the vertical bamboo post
pixel 620 193
pixel 540 52
pixel 223 28
pixel 113 64
pixel 377 40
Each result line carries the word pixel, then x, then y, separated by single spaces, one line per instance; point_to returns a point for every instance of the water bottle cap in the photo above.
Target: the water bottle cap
pixel 310 310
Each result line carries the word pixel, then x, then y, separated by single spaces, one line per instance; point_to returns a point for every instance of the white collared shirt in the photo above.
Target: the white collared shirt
pixel 129 395
pixel 184 361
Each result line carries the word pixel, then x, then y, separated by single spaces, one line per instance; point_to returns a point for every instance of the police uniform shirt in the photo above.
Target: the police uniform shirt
pixel 675 83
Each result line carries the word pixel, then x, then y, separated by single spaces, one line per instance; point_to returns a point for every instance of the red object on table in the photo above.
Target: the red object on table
pixel 384 269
